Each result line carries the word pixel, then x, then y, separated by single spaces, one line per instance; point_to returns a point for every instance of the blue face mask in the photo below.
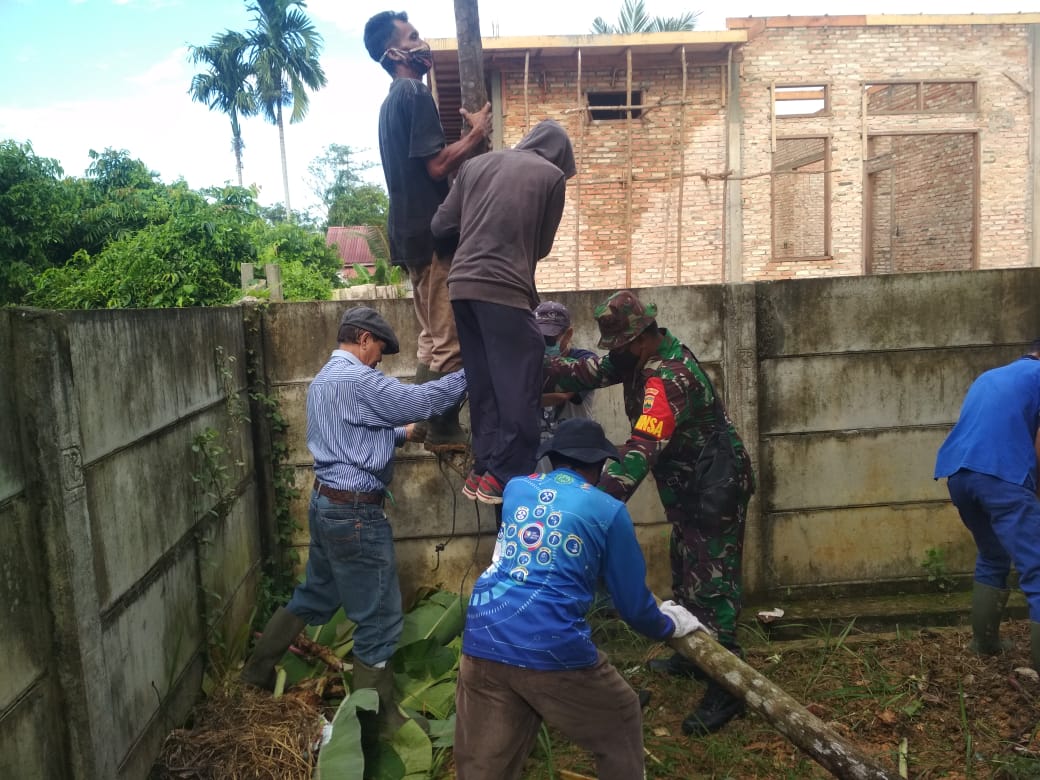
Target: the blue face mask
pixel 552 350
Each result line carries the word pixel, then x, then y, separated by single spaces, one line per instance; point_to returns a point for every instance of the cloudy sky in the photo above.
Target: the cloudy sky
pixel 96 74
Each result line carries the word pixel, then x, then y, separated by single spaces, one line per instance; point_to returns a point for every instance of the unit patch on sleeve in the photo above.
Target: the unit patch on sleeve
pixel 657 420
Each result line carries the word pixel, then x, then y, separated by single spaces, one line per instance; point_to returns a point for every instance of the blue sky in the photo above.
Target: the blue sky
pixel 93 74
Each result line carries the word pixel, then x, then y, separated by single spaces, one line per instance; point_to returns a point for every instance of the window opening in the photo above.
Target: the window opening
pixel 610 105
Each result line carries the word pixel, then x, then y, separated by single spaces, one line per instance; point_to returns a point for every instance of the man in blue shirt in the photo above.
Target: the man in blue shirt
pixel 356 416
pixel 990 459
pixel 527 649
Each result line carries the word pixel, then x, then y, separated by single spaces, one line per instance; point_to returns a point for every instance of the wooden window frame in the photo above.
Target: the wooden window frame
pixel 919 107
pixel 779 89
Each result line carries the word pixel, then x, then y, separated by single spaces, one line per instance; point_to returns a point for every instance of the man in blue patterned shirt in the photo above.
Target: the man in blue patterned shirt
pixel 528 653
pixel 356 416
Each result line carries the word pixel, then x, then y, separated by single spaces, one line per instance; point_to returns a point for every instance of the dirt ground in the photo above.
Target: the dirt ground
pixel 961 716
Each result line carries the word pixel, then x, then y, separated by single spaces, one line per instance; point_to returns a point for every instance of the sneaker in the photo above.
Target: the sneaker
pixel 677 665
pixel 489 491
pixel 717 708
pixel 469 490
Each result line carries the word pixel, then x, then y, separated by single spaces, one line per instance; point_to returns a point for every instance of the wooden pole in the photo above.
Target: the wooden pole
pixel 527 75
pixel 471 57
pixel 807 732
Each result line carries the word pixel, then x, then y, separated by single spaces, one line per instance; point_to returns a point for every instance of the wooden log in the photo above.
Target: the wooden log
pixel 807 732
pixel 471 57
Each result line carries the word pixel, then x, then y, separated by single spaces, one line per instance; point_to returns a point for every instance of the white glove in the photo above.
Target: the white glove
pixel 685 621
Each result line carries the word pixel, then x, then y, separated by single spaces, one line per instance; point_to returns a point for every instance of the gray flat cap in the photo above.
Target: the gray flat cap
pixel 369 319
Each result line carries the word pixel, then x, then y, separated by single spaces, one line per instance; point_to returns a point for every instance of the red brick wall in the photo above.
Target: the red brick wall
pixel 604 221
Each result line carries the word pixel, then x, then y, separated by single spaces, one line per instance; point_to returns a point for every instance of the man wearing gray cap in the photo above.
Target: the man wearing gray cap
pixel 356 416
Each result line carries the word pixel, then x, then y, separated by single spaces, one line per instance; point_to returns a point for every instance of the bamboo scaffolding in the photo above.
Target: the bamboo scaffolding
pixel 682 174
pixel 577 201
pixel 628 168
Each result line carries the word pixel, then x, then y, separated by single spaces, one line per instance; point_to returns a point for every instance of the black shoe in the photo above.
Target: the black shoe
pixel 644 698
pixel 717 708
pixel 678 666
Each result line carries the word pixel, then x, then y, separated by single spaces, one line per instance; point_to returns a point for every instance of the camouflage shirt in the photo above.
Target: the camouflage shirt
pixel 671 405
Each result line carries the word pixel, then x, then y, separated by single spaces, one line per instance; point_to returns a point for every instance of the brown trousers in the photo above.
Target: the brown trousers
pixel 438 339
pixel 499 709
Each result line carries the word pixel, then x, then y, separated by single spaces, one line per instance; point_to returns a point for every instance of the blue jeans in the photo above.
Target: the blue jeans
pixel 351 564
pixel 1005 521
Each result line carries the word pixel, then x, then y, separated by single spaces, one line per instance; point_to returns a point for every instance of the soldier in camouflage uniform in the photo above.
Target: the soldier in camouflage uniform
pixel 682 434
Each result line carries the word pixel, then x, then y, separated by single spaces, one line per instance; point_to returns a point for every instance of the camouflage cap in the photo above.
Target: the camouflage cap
pixel 621 318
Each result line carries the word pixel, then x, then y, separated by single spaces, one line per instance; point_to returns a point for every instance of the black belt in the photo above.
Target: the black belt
pixel 349 496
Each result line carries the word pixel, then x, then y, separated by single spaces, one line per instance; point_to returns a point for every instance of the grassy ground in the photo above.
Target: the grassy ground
pixel 960 716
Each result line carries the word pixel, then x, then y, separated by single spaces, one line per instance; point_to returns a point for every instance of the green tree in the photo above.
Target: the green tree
pixel 37 225
pixel 633 18
pixel 348 199
pixel 284 56
pixel 226 84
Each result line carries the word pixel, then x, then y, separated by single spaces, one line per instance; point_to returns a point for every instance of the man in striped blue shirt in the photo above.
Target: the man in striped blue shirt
pixel 356 416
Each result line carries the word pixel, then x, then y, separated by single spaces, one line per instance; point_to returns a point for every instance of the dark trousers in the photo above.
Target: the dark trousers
pixel 500 708
pixel 502 352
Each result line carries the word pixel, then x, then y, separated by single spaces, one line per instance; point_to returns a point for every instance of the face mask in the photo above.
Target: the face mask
pixel 552 350
pixel 419 59
pixel 623 360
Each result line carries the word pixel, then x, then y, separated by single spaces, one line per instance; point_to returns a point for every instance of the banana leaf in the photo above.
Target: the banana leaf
pixel 342 758
pixel 439 617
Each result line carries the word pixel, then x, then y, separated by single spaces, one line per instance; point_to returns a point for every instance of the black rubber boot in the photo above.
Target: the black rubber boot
pixel 717 708
pixel 677 665
pixel 391 717
pixel 644 697
pixel 279 633
pixel 987 608
pixel 444 432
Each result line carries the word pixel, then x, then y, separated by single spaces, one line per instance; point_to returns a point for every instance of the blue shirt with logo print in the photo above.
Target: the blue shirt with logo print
pixel 559 537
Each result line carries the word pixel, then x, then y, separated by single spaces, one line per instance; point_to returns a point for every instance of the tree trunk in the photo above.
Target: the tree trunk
pixel 471 56
pixel 285 167
pixel 822 743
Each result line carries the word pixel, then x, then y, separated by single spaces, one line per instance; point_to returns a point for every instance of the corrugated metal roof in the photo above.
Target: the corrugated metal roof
pixel 352 244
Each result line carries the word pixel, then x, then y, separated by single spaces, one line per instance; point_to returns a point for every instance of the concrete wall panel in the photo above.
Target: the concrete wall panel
pixel 132 378
pixel 865 544
pixel 870 390
pixel 24 635
pixel 31 738
pixel 12 479
pixel 149 645
pixel 144 499
pixel 863 468
pixel 904 311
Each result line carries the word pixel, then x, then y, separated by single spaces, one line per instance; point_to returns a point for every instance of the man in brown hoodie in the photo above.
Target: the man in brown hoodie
pixel 505 207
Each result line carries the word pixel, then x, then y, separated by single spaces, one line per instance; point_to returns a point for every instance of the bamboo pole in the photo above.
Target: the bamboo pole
pixel 628 168
pixel 682 174
pixel 471 59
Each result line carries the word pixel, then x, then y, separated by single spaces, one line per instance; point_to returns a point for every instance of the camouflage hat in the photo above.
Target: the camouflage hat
pixel 621 318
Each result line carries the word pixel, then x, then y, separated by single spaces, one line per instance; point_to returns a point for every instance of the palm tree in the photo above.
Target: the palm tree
pixel 285 49
pixel 225 85
pixel 634 19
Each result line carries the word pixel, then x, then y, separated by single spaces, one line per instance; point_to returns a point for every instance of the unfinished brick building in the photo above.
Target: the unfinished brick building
pixel 779 148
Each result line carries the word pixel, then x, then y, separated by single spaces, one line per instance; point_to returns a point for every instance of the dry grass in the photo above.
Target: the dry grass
pixel 241 733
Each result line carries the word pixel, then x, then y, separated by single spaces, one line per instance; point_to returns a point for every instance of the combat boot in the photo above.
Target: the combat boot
pixel 987 607
pixel 443 432
pixel 391 717
pixel 716 709
pixel 279 633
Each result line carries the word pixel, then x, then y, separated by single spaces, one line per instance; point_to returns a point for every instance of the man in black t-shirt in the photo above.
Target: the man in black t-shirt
pixel 417 162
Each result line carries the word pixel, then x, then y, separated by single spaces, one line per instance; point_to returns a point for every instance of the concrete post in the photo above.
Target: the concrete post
pixel 50 439
pixel 246 270
pixel 259 390
pixel 273 272
pixel 740 363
